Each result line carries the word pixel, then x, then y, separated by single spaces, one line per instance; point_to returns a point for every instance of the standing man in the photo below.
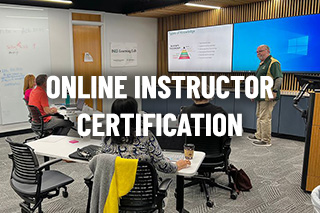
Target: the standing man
pixel 39 98
pixel 269 66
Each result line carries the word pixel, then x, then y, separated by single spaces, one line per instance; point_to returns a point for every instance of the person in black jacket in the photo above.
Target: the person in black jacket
pixel 202 105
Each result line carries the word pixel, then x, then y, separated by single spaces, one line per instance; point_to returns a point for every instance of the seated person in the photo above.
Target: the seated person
pixel 203 105
pixel 29 84
pixel 137 147
pixel 39 98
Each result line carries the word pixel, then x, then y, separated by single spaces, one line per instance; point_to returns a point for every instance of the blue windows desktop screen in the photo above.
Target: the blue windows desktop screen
pixel 294 41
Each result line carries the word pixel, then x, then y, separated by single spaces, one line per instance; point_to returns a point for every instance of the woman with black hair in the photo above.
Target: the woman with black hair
pixel 137 147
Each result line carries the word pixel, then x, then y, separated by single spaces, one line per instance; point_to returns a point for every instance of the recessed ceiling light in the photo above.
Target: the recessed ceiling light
pixel 58 1
pixel 202 5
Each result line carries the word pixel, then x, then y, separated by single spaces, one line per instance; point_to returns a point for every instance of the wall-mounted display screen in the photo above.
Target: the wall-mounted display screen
pixel 294 41
pixel 206 49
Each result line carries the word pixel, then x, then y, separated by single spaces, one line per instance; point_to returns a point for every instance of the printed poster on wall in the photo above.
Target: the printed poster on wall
pixel 124 54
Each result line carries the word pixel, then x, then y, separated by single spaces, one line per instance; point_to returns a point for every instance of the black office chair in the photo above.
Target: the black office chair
pixel 37 124
pixel 216 160
pixel 29 115
pixel 29 180
pixel 25 101
pixel 145 196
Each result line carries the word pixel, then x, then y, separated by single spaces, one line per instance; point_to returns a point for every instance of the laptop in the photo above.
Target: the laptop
pixel 172 146
pixel 77 107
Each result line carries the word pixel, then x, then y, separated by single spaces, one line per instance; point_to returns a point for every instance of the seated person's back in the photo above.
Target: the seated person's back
pixel 144 147
pixel 202 105
pixel 203 108
pixel 39 98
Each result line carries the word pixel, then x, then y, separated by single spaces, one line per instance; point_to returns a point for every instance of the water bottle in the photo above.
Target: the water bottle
pixel 68 99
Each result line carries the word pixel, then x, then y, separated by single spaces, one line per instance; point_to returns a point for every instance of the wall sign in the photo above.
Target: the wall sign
pixel 124 54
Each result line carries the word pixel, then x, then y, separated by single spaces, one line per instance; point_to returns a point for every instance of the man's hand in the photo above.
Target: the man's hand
pixel 49 110
pixel 274 96
pixel 53 110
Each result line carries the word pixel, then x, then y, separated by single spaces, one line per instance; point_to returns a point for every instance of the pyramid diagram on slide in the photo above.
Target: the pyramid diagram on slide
pixel 184 54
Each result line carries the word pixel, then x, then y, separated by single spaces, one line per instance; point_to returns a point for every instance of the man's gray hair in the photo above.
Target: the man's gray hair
pixel 265 46
pixel 41 79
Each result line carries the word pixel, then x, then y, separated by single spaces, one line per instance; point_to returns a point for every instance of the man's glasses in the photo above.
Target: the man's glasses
pixel 260 51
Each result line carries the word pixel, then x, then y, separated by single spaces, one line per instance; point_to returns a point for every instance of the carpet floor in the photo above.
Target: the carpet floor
pixel 275 174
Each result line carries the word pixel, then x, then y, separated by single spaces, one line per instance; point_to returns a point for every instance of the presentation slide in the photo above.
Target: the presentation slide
pixel 206 49
pixel 294 41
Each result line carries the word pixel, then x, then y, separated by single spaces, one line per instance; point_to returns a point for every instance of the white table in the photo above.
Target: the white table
pixel 195 163
pixel 69 113
pixel 60 147
pixel 188 172
pixel 72 115
pixel 57 146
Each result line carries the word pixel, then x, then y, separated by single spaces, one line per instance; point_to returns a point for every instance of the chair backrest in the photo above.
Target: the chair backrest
pixel 212 145
pixel 24 162
pixel 173 143
pixel 25 101
pixel 35 114
pixel 217 156
pixel 29 115
pixel 143 193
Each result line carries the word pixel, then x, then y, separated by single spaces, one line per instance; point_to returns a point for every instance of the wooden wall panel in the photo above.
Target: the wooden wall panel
pixel 249 12
pixel 86 17
pixel 313 177
pixel 316 112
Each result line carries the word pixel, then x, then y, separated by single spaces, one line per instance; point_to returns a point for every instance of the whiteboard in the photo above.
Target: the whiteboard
pixel 24 49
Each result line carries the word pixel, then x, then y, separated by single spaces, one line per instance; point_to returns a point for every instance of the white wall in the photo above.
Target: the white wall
pixel 143 31
pixel 60 32
pixel 60 44
pixel 117 28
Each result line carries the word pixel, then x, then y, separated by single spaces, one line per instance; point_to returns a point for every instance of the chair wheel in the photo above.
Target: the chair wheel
pixel 65 194
pixel 233 195
pixel 210 204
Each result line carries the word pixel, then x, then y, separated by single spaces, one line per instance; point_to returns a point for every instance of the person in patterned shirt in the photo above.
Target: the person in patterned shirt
pixel 144 148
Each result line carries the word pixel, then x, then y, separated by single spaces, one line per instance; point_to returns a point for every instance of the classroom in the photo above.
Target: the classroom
pixel 253 62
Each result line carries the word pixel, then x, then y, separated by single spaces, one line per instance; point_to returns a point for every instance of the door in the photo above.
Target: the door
pixel 87 39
